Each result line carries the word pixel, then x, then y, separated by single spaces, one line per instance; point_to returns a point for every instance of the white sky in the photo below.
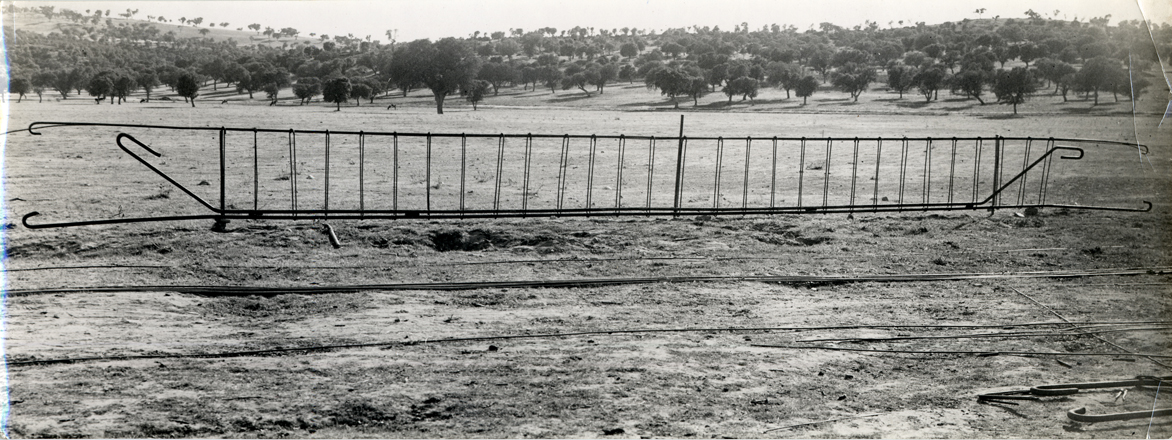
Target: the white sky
pixel 442 18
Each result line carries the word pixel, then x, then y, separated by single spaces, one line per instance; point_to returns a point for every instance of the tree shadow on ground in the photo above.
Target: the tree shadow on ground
pixel 832 100
pixel 955 99
pixel 913 104
pixel 959 108
pixel 570 98
pixel 1086 110
pixel 776 101
pixel 897 99
pixel 1002 116
pixel 531 93
pixel 513 93
pixel 649 103
pixel 632 86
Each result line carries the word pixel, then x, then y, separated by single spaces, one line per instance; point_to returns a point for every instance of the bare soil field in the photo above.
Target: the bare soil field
pixel 718 327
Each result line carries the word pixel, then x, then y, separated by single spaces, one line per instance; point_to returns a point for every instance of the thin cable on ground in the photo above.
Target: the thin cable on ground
pixel 988 335
pixel 452 286
pixel 826 421
pixel 320 348
pixel 466 263
pixel 1154 400
pixel 983 353
pixel 1096 336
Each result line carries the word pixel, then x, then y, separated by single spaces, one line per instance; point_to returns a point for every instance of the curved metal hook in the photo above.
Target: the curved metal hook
pixel 1079 150
pixel 24 220
pixel 33 124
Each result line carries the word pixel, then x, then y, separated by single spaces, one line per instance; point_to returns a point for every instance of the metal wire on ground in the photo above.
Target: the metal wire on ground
pixel 1150 358
pixel 991 335
pixel 473 285
pixel 388 345
pixel 977 353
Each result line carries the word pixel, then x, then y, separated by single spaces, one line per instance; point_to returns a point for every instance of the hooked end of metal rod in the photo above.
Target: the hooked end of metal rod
pixel 24 220
pixel 118 140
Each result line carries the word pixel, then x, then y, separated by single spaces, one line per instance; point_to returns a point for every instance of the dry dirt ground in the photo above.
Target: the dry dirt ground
pixel 482 363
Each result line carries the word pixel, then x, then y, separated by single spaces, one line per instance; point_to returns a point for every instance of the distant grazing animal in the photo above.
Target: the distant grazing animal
pixel 224 101
pixel 142 100
pixel 98 100
pixel 392 106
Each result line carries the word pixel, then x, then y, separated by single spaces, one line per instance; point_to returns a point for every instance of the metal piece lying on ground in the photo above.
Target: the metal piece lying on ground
pixel 953 179
pixel 1067 389
pixel 1080 415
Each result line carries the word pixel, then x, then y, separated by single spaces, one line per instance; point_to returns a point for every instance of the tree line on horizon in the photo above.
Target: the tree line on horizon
pixel 967 58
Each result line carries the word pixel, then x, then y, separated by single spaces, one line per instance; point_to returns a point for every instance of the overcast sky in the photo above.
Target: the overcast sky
pixel 443 18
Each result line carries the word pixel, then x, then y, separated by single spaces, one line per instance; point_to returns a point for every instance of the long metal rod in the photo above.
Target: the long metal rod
pixel 745 190
pixel 618 185
pixel 361 172
pixel 773 177
pixel 463 167
pixel 928 171
pixel 395 174
pixel 452 214
pixel 679 163
pixel 590 173
pixel 255 174
pixel 801 171
pixel 327 175
pixel 563 165
pixel 427 166
pixel 500 161
pixel 49 124
pixel 1021 187
pixel 854 171
pixel 878 160
pixel 903 161
pixel 525 183
pixel 223 171
pixel 952 171
pixel 650 169
pixel 826 173
pixel 716 185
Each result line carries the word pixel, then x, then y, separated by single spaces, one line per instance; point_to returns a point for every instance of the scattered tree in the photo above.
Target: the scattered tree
pixel 670 81
pixel 853 78
pixel 783 75
pixel 744 86
pixel 306 88
pixel 336 90
pixel 970 83
pixel 360 91
pixel 1098 74
pixel 477 91
pixel 497 74
pixel 188 87
pixel 899 78
pixel 806 88
pixel 1014 86
pixel 19 87
pixel 551 77
pixel 101 86
pixel 929 81
pixel 444 66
